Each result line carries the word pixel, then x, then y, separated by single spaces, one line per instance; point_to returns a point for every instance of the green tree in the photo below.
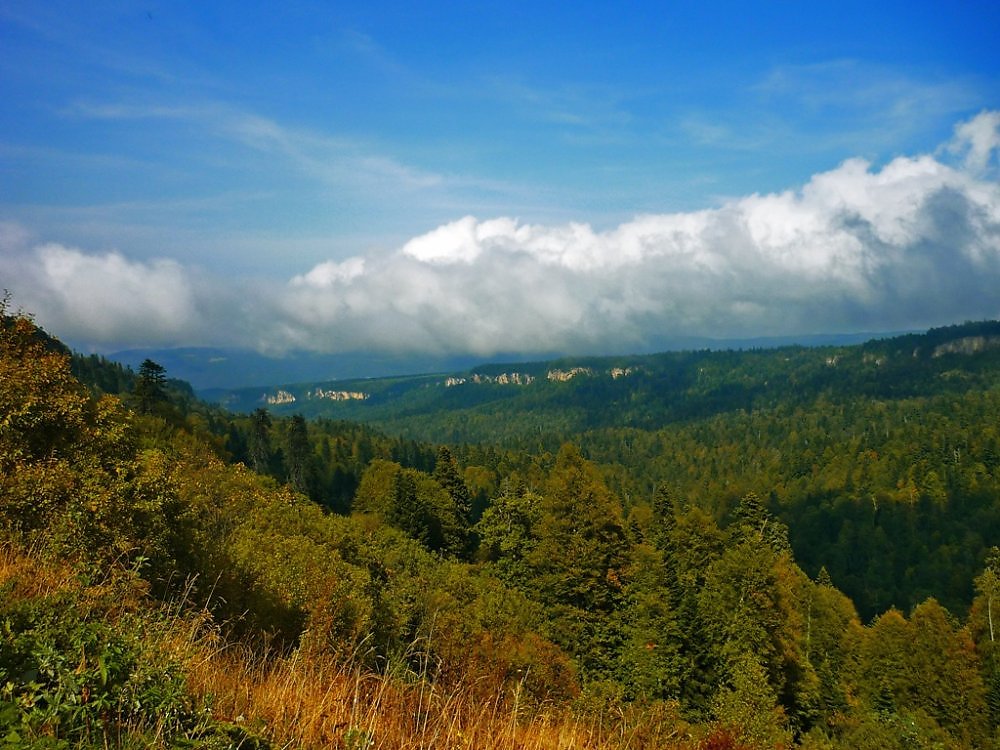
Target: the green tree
pixel 753 520
pixel 693 543
pixel 259 442
pixel 71 480
pixel 298 453
pixel 833 638
pixel 457 518
pixel 984 622
pixel 740 611
pixel 579 561
pixel 408 509
pixel 507 534
pixel 150 386
pixel 376 488
pixel 947 683
pixel 925 665
pixel 748 706
pixel 652 666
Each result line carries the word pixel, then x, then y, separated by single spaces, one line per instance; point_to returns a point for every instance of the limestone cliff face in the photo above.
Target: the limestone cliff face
pixel 967 345
pixel 504 378
pixel 561 376
pixel 520 378
pixel 339 395
pixel 282 397
pixel 622 372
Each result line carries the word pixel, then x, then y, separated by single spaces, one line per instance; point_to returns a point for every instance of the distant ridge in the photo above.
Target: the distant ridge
pixel 515 401
pixel 207 368
pixel 212 367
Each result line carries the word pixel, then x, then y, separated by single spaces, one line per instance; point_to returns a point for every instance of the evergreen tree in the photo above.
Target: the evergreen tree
pixel 579 561
pixel 150 386
pixel 823 577
pixel 693 544
pixel 748 706
pixel 507 534
pixel 260 441
pixel 754 520
pixel 985 618
pixel 947 684
pixel 456 521
pixel 665 507
pixel 407 510
pixel 652 666
pixel 297 455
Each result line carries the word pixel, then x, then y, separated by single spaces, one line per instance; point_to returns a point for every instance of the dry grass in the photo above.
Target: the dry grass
pixel 317 703
pixel 24 577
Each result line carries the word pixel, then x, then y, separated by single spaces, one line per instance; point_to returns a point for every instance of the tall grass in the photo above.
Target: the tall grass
pixel 311 699
pixel 316 702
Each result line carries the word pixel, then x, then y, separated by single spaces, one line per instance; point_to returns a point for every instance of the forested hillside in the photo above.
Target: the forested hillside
pixel 518 404
pixel 881 458
pixel 173 576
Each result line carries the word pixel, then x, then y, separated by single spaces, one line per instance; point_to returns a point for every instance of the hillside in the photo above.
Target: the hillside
pixel 508 403
pixel 155 592
pixel 882 458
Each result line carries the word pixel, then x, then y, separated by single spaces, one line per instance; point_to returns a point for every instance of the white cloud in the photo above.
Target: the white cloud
pixel 103 298
pixel 913 243
pixel 978 139
pixel 331 273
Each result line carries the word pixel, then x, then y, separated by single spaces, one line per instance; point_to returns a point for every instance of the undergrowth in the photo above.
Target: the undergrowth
pixel 90 663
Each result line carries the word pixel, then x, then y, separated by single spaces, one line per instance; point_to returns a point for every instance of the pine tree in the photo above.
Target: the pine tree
pixel 260 441
pixel 754 520
pixel 407 510
pixel 456 522
pixel 652 667
pixel 150 386
pixel 665 507
pixel 297 455
pixel 986 608
pixel 748 706
pixel 579 562
pixel 507 534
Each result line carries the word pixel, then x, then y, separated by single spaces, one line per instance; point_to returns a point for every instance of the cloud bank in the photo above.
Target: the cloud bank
pixel 913 243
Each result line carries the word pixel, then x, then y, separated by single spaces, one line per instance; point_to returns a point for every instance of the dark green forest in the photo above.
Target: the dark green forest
pixel 881 458
pixel 779 548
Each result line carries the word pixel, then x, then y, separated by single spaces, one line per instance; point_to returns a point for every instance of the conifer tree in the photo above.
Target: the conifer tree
pixel 260 441
pixel 748 706
pixel 579 561
pixel 665 507
pixel 651 660
pixel 986 616
pixel 407 510
pixel 456 522
pixel 150 386
pixel 754 520
pixel 297 455
pixel 507 534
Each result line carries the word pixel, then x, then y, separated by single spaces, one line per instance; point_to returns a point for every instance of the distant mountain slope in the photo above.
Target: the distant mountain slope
pixel 208 368
pixel 511 402
pixel 229 368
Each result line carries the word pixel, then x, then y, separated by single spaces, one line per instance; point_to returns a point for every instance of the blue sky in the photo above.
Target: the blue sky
pixel 204 173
